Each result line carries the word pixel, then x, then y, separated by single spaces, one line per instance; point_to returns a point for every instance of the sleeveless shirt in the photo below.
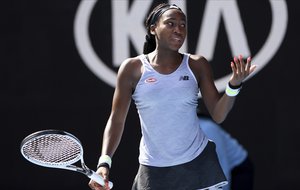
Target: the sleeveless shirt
pixel 166 104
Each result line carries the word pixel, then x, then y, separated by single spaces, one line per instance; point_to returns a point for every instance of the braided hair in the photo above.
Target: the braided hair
pixel 150 43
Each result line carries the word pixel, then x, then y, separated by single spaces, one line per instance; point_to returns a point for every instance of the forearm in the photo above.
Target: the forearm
pixel 111 137
pixel 222 108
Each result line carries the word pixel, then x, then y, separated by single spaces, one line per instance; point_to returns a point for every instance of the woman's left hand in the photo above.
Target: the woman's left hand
pixel 240 70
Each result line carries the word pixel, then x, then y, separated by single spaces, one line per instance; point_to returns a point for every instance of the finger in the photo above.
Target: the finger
pixel 95 186
pixel 242 64
pixel 107 185
pixel 252 68
pixel 237 65
pixel 91 185
pixel 248 65
pixel 233 67
pixel 104 172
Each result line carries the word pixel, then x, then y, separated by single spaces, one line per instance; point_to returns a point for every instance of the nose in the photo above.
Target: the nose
pixel 177 29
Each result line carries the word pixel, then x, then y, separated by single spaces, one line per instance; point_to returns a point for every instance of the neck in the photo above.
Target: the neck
pixel 165 57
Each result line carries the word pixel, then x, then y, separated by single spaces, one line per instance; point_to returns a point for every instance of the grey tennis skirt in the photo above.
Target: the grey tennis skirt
pixel 201 173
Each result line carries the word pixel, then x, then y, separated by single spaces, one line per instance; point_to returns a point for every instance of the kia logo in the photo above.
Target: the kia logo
pixel 128 27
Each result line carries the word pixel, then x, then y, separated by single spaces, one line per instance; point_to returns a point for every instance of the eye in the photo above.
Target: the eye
pixel 170 23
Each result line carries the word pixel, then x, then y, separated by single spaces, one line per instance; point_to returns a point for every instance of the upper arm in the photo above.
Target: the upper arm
pixel 127 77
pixel 203 72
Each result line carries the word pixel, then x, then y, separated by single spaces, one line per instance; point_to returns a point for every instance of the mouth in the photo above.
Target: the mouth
pixel 177 39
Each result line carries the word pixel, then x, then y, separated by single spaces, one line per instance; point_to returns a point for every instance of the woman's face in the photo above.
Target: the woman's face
pixel 170 30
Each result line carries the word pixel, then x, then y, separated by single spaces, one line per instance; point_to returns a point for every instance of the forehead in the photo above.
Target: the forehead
pixel 173 14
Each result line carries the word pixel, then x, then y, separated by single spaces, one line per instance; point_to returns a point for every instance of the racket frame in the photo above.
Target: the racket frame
pixel 70 165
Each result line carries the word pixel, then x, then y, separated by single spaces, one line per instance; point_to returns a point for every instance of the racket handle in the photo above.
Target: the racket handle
pixel 96 177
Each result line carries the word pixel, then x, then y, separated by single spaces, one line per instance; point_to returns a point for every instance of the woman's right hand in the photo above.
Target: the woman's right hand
pixel 104 172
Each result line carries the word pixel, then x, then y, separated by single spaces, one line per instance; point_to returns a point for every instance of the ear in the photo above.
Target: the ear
pixel 152 29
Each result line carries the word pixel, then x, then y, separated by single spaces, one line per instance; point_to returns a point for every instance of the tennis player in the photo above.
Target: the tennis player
pixel 164 83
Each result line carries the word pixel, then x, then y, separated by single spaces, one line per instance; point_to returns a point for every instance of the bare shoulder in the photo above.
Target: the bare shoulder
pixel 199 65
pixel 197 59
pixel 131 63
pixel 130 70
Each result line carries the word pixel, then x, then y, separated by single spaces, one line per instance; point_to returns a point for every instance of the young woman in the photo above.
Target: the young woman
pixel 164 84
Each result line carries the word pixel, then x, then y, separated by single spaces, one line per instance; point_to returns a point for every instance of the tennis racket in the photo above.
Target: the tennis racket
pixel 58 149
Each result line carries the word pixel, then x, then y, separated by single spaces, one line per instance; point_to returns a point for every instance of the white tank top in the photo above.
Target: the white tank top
pixel 166 105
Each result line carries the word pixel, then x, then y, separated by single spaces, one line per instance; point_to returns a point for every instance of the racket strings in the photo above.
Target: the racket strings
pixel 53 150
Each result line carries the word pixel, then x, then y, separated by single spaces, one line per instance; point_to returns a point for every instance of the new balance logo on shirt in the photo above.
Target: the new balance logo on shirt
pixel 184 78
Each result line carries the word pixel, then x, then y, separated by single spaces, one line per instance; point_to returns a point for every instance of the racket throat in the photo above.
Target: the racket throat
pixel 87 171
pixel 84 170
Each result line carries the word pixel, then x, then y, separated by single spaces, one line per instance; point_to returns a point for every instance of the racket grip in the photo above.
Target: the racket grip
pixel 96 177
